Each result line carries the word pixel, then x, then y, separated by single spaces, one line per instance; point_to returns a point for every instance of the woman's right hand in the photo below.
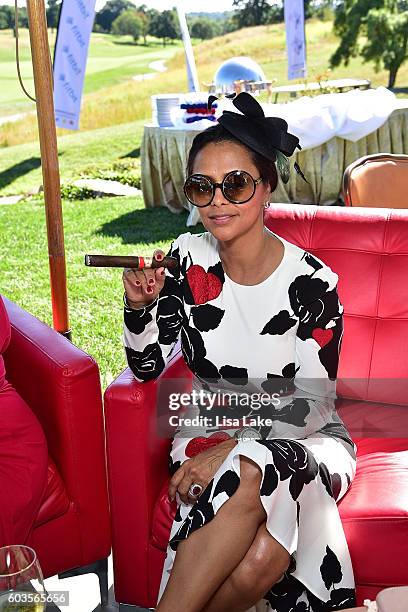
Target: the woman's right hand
pixel 199 469
pixel 143 286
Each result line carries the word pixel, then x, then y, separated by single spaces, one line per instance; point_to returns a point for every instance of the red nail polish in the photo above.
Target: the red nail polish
pixel 149 290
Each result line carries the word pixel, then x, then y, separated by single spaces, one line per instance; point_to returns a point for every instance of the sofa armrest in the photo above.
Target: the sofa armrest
pixel 138 466
pixel 61 384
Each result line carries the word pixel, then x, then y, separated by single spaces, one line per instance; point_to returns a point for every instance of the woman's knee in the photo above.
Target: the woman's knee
pixel 246 498
pixel 249 470
pixel 263 565
pixel 247 494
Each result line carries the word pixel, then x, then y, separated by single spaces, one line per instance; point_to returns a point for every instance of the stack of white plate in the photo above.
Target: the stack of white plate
pixel 162 105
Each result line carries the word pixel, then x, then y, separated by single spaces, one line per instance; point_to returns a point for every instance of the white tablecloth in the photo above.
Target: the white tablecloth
pixel 352 115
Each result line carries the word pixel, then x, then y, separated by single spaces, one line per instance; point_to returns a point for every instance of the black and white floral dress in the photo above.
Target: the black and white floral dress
pixel 282 336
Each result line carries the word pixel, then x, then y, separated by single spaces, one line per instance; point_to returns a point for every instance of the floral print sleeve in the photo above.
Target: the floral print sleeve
pixel 150 333
pixel 307 384
pixel 316 303
pixel 319 335
pixel 318 341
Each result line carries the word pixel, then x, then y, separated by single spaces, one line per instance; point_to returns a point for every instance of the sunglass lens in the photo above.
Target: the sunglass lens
pixel 239 186
pixel 198 190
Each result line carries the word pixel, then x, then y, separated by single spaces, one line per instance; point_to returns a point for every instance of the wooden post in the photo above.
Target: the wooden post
pixel 43 81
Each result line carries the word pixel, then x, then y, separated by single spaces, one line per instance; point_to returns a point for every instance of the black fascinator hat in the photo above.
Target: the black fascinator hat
pixel 266 135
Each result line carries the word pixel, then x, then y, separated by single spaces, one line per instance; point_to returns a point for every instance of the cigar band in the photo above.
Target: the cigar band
pixel 145 262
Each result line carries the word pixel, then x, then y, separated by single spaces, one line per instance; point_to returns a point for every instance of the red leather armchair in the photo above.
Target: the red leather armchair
pixel 368 248
pixel 61 385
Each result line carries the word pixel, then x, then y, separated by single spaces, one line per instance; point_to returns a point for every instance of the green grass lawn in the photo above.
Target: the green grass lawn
pixel 104 225
pixel 111 61
pixel 20 169
pixel 114 59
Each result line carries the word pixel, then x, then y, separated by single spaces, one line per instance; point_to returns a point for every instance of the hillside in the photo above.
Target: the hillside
pixel 111 60
pixel 114 98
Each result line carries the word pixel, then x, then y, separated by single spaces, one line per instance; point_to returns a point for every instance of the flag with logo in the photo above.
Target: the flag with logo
pixel 192 77
pixel 295 38
pixel 71 52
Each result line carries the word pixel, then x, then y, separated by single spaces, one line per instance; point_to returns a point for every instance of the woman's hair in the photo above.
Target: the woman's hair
pixel 217 133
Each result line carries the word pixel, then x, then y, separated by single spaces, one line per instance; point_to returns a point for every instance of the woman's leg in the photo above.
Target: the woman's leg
pixel 209 555
pixel 263 565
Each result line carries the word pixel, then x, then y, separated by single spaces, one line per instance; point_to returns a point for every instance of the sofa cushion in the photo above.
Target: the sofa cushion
pixel 374 513
pixel 163 515
pixel 55 501
pixel 373 419
pixel 5 333
pixel 368 249
pixel 23 466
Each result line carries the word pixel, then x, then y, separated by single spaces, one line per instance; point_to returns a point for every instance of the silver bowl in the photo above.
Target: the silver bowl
pixel 237 69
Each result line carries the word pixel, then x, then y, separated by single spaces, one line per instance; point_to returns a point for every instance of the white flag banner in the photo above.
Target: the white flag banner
pixel 192 76
pixel 71 52
pixel 295 38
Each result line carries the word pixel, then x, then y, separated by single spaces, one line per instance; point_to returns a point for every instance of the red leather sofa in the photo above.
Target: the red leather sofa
pixel 368 248
pixel 60 384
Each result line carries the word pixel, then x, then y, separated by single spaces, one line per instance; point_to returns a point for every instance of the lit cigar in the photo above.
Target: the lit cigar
pixel 124 261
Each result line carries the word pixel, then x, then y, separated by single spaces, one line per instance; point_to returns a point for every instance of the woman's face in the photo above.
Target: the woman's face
pixel 222 218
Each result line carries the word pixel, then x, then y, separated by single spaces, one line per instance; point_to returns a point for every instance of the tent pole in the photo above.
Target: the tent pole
pixel 43 81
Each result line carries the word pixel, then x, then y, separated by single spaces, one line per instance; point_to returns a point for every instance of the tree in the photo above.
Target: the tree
pixel 276 14
pixel 324 10
pixel 387 35
pixel 204 28
pixel 3 20
pixel 7 18
pixel 7 13
pixel 229 25
pixel 22 17
pixel 308 8
pixel 144 17
pixel 383 23
pixel 112 9
pixel 252 12
pixel 52 13
pixel 164 25
pixel 128 22
pixel 151 13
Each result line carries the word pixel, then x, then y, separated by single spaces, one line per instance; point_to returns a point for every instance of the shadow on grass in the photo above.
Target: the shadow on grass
pixel 128 43
pixel 149 225
pixel 148 45
pixel 401 90
pixel 14 172
pixel 135 153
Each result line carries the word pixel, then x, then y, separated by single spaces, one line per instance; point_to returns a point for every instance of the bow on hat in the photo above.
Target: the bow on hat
pixel 266 135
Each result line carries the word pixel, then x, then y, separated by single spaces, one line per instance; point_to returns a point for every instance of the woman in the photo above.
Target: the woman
pixel 255 313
